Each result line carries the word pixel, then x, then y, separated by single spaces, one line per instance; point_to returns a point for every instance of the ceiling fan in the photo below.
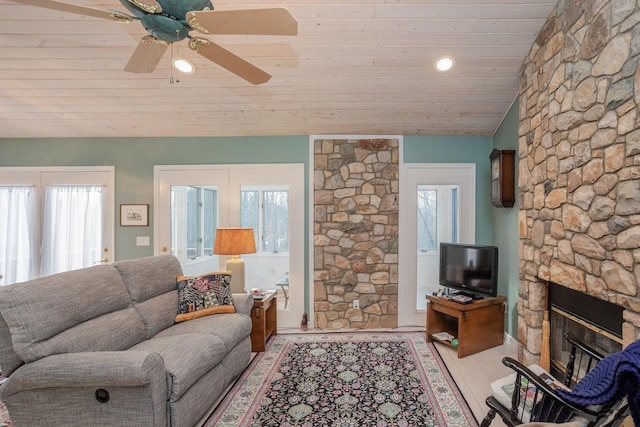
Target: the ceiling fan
pixel 170 21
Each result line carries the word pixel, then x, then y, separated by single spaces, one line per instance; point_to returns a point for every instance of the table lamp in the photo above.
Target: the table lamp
pixel 235 241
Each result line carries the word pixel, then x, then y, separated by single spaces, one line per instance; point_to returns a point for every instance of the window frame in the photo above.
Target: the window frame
pixel 180 198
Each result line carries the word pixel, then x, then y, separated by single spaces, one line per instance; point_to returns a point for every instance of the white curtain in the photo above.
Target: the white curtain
pixel 72 229
pixel 16 228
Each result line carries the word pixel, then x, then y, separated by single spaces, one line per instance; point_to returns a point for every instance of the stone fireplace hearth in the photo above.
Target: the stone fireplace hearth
pixel 579 163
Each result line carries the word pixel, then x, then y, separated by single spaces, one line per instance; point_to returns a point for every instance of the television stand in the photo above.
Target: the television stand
pixel 477 326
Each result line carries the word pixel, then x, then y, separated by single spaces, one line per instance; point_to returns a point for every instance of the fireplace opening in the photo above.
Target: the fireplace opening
pixel 595 322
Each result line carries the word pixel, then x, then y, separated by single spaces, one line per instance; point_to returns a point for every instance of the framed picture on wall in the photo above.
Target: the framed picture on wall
pixel 134 215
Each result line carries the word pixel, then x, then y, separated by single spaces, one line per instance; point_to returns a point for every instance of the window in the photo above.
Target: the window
pixel 437 216
pixel 54 220
pixel 195 219
pixel 266 210
pixel 427 220
pixel 436 221
pixel 17 207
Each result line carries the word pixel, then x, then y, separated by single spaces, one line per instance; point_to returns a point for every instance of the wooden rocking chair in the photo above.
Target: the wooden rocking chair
pixel 529 394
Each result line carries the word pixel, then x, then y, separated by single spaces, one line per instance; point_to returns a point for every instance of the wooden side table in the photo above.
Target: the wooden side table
pixel 477 326
pixel 264 318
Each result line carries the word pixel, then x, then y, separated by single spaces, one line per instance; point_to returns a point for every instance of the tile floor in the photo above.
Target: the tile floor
pixel 475 373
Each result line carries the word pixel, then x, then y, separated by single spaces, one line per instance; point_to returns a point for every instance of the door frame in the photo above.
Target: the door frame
pixel 235 176
pixel 412 175
pixel 41 176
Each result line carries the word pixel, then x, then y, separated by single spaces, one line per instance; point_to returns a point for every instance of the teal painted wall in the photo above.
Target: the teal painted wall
pixel 506 235
pixel 134 159
pixel 459 149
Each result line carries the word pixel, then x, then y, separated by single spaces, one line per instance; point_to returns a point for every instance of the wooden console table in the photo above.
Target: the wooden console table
pixel 477 326
pixel 264 319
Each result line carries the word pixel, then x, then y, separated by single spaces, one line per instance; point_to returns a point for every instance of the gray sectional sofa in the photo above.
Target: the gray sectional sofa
pixel 100 346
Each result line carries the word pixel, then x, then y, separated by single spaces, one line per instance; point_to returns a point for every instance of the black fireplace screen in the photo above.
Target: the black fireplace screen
pixel 595 322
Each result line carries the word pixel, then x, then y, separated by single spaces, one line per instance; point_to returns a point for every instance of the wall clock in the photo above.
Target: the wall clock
pixel 502 178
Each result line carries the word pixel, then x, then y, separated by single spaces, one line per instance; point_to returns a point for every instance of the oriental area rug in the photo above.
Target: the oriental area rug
pixel 345 379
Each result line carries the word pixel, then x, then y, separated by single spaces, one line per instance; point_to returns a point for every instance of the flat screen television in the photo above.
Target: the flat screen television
pixel 469 269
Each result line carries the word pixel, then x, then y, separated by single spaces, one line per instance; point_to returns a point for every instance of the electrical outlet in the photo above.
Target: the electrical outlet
pixel 356 303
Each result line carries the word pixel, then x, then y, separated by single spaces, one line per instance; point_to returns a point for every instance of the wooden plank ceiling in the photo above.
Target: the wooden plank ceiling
pixel 356 67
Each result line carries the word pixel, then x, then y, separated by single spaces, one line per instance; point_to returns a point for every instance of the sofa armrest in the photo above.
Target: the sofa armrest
pixel 243 303
pixel 104 368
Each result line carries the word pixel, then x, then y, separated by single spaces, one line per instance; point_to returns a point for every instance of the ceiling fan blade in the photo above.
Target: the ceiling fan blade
pixel 147 55
pixel 274 21
pixel 77 9
pixel 229 61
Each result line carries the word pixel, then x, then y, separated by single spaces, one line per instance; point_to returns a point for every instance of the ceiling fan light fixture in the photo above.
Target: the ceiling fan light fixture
pixel 444 63
pixel 184 65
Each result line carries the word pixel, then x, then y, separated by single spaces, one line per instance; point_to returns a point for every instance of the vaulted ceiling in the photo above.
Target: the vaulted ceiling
pixel 355 67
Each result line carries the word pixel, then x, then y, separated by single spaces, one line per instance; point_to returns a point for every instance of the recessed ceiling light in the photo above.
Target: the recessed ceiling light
pixel 183 65
pixel 444 63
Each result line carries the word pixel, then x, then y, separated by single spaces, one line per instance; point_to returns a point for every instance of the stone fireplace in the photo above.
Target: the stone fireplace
pixel 579 163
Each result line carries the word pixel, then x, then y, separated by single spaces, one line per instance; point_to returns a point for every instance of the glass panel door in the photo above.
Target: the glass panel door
pixel 188 211
pixel 194 219
pixel 72 232
pixel 270 198
pixel 266 209
pixel 192 201
pixel 439 206
pixel 437 221
pixel 54 219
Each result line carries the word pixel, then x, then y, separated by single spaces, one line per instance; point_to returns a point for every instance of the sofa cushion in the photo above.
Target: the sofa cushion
pixel 158 312
pixel 232 328
pixel 81 310
pixel 204 295
pixel 151 282
pixel 197 401
pixel 110 332
pixel 148 277
pixel 186 358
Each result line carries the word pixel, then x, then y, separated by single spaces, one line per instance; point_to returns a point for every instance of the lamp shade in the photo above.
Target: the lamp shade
pixel 234 241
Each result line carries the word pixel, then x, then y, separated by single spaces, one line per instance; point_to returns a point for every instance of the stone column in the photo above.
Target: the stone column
pixel 356 191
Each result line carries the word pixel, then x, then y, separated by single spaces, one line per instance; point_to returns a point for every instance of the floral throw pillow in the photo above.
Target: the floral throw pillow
pixel 204 295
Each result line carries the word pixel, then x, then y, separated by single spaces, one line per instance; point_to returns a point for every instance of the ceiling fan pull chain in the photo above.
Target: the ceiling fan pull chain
pixel 178 52
pixel 171 66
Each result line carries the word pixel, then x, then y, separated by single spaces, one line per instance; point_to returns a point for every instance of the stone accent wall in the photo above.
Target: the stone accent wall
pixel 579 151
pixel 356 233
